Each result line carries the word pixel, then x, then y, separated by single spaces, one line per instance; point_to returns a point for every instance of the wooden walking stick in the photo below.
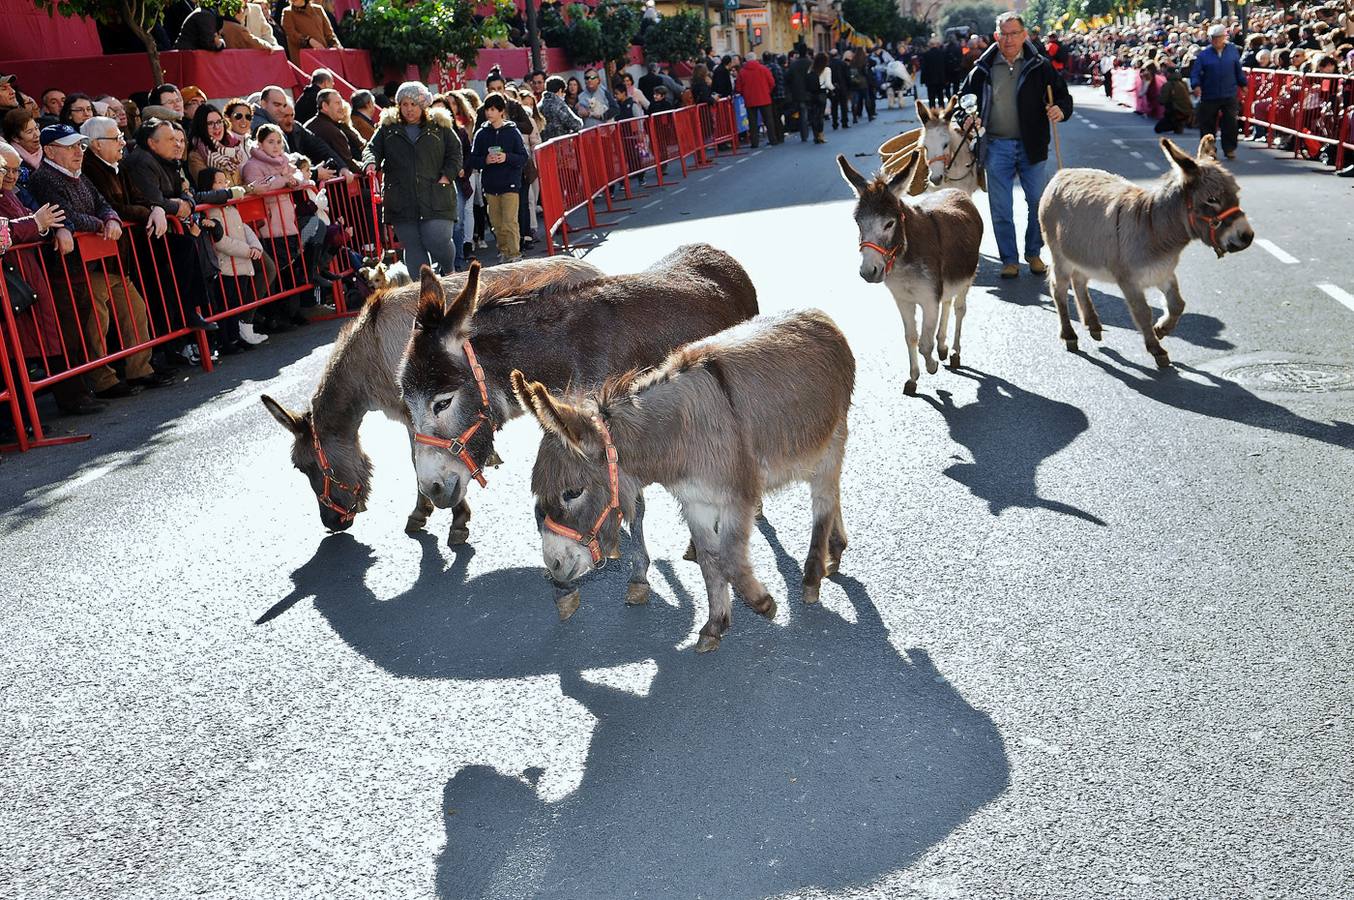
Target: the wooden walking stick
pixel 1057 147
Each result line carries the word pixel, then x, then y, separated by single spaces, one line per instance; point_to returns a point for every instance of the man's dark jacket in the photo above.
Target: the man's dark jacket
pixel 1036 77
pixel 342 142
pixel 303 141
pixel 797 80
pixel 308 104
pixel 114 190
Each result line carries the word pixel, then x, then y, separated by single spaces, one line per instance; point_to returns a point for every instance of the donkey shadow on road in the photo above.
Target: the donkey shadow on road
pixel 1009 432
pixel 812 754
pixel 1219 398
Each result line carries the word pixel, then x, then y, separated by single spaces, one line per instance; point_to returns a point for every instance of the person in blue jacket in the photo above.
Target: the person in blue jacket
pixel 500 154
pixel 1216 77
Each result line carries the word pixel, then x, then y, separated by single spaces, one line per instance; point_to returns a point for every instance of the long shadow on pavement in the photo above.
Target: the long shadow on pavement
pixel 1009 432
pixel 1218 399
pixel 797 756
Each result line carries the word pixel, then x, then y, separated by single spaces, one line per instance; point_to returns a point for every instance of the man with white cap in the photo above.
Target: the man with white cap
pixel 1216 77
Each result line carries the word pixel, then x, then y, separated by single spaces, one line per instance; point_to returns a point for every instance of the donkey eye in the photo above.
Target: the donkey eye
pixel 1215 201
pixel 888 226
pixel 570 495
pixel 440 406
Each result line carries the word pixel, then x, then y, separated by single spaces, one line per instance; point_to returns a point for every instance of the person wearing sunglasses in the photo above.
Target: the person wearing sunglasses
pixel 595 103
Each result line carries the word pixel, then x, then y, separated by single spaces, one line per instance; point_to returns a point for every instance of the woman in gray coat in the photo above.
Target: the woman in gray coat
pixel 420 156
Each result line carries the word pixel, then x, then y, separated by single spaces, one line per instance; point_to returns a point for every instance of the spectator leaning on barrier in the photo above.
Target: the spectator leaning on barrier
pixel 417 150
pixel 103 166
pixel 237 249
pixel 345 145
pixel 307 28
pixel 308 104
pixel 211 144
pixel 104 297
pixel 559 118
pixel 1216 77
pixel 270 170
pixel 1012 80
pixel 500 154
pixel 364 114
pixel 40 334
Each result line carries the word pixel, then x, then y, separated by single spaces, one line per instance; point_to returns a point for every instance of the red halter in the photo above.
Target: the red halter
pixel 887 254
pixel 590 540
pixel 457 446
pixel 346 514
pixel 1213 223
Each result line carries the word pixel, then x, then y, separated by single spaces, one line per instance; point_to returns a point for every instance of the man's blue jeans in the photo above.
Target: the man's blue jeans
pixel 458 233
pixel 1006 160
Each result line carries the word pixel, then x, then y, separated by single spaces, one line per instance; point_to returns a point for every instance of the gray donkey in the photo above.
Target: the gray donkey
pixel 721 421
pixel 1101 226
pixel 360 377
pixel 924 249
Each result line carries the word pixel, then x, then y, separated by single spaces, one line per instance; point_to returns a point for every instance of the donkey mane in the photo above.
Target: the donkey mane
pixel 625 389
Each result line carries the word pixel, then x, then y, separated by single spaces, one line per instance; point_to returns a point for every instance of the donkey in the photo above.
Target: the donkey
pixel 925 250
pixel 454 376
pixel 360 376
pixel 950 159
pixel 721 421
pixel 1098 225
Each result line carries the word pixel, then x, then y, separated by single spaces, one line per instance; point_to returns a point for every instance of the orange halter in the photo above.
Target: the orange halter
pixel 590 540
pixel 346 514
pixel 1213 222
pixel 457 446
pixel 887 254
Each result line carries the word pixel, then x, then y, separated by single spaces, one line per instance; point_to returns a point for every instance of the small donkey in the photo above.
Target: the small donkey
pixel 720 422
pixel 1101 226
pixel 950 159
pixel 925 250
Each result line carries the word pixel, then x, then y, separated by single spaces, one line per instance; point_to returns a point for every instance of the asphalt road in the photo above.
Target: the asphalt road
pixel 1091 638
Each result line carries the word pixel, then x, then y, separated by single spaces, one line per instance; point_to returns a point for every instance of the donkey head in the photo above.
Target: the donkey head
pixel 879 215
pixel 441 392
pixel 941 138
pixel 338 471
pixel 571 483
pixel 1212 199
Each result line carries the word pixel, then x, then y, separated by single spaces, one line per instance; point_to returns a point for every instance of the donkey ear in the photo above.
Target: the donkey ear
pixel 556 417
pixel 1208 148
pixel 461 308
pixel 293 422
pixel 948 112
pixel 853 178
pixel 1180 159
pixel 431 297
pixel 923 112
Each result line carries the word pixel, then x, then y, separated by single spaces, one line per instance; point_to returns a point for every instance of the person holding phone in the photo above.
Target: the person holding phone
pixel 500 154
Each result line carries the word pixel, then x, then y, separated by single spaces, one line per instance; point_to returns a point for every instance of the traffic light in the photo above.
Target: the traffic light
pixel 756 35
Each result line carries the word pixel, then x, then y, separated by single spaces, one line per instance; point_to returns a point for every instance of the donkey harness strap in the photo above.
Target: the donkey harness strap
pixel 346 514
pixel 591 539
pixel 887 254
pixel 1213 222
pixel 458 446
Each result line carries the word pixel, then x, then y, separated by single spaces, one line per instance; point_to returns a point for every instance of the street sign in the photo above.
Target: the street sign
pixel 730 4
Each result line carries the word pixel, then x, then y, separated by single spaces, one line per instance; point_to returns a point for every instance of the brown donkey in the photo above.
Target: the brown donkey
pixel 1101 226
pixel 924 250
pixel 454 377
pixel 360 377
pixel 719 423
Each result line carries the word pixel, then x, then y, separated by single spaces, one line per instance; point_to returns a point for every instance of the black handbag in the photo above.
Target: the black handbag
pixel 21 293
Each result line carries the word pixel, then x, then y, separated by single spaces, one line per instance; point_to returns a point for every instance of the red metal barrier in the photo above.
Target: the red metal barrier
pixel 1314 109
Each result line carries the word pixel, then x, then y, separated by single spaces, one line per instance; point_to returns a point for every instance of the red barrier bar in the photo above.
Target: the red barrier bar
pixel 1314 109
pixel 8 393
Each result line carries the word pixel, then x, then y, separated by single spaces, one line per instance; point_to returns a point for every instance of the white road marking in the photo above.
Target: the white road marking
pixel 707 177
pixel 1340 295
pixel 1252 161
pixel 1135 154
pixel 1119 141
pixel 1092 125
pixel 1276 252
pixel 651 203
pixel 679 190
pixel 741 159
pixel 1151 165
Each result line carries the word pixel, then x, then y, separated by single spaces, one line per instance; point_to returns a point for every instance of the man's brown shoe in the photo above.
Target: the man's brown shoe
pixel 1036 265
pixel 1011 271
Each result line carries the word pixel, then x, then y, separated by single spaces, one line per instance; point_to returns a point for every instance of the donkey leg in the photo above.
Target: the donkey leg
pixel 1142 317
pixel 637 592
pixel 460 525
pixel 836 542
pixel 926 342
pixel 960 307
pixel 1175 308
pixel 702 523
pixel 735 526
pixel 423 507
pixel 1085 308
pixel 909 311
pixel 942 349
pixel 825 496
pixel 1058 282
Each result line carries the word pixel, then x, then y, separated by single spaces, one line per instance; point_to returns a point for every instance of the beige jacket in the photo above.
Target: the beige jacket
pixel 308 21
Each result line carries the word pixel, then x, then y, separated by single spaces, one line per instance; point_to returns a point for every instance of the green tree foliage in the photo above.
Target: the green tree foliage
pixel 619 21
pixel 141 16
pixel 981 16
pixel 592 36
pixel 675 38
pixel 419 33
pixel 1042 13
pixel 880 19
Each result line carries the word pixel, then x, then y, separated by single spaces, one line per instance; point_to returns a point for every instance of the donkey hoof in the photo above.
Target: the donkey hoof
pixel 941 352
pixel 637 594
pixel 458 536
pixel 1163 359
pixel 690 554
pixel 932 365
pixel 567 605
pixel 1070 344
pixel 765 606
pixel 910 388
pixel 954 360
pixel 707 643
pixel 414 525
pixel 810 594
pixel 1096 334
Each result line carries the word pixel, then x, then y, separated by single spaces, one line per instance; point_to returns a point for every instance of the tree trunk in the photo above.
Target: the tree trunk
pixel 133 19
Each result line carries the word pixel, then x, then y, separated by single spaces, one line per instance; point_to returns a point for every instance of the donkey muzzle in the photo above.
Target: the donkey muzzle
pixel 1239 236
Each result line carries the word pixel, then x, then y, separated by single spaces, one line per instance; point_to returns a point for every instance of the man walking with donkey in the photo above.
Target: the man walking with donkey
pixel 1020 97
